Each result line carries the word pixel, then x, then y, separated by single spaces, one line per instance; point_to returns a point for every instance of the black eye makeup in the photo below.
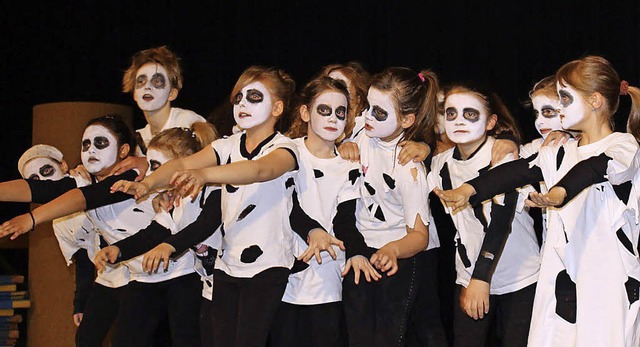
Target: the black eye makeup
pixel 86 144
pixel 141 81
pixel 548 111
pixel 341 113
pixel 379 114
pixel 154 164
pixel 254 96
pixel 101 142
pixel 324 110
pixel 47 170
pixel 566 99
pixel 471 114
pixel 34 177
pixel 237 98
pixel 158 81
pixel 450 113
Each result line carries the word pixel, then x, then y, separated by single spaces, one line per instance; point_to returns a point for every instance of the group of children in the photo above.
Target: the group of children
pixel 327 218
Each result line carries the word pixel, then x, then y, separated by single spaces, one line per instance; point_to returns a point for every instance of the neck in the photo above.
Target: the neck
pixel 318 147
pixel 393 136
pixel 257 134
pixel 158 118
pixel 466 149
pixel 594 129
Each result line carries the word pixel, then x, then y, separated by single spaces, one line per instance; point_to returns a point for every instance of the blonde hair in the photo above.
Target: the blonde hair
pixel 158 55
pixel 182 142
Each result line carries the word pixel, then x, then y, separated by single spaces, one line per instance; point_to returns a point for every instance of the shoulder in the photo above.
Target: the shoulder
pixel 184 118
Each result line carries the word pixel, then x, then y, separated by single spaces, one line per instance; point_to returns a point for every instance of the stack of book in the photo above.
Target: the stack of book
pixel 11 300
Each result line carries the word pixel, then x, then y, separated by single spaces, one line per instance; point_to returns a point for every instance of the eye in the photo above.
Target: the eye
pixel 451 114
pixel 549 113
pixel 237 98
pixel 154 164
pixel 471 115
pixel 324 110
pixel 86 144
pixel 34 177
pixel 341 112
pixel 254 96
pixel 101 142
pixel 141 81
pixel 379 114
pixel 158 81
pixel 47 170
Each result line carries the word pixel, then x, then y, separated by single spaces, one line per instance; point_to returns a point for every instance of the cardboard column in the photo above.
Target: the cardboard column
pixel 51 282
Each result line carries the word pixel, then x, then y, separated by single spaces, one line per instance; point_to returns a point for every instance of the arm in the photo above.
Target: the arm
pixel 344 226
pixel 85 272
pixel 416 240
pixel 504 178
pixel 142 241
pixel 34 191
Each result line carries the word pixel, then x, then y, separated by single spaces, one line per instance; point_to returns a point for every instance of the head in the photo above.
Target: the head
pixel 473 112
pixel 356 78
pixel 262 95
pixel 106 141
pixel 154 77
pixel 545 103
pixel 323 107
pixel 402 101
pixel 42 162
pixel 178 143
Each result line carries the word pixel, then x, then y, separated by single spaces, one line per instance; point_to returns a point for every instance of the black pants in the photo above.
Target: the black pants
pixel 377 313
pixel 425 323
pixel 506 324
pixel 145 304
pixel 308 326
pixel 244 309
pixel 206 324
pixel 100 312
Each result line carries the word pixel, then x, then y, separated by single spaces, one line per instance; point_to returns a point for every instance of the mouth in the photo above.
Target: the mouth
pixel 368 127
pixel 147 97
pixel 460 132
pixel 243 115
pixel 93 160
pixel 545 131
pixel 331 129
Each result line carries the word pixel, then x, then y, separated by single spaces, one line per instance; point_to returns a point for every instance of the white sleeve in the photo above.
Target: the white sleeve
pixel 413 189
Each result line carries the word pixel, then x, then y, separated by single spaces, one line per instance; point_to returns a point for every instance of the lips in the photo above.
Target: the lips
pixel 545 130
pixel 368 127
pixel 330 129
pixel 147 97
pixel 93 160
pixel 243 115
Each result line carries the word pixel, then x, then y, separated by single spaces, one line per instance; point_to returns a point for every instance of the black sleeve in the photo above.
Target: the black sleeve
pixel 587 172
pixel 344 226
pixel 142 241
pixel 300 221
pixel 46 190
pixel 85 273
pixel 504 178
pixel 204 226
pixel 495 238
pixel 99 194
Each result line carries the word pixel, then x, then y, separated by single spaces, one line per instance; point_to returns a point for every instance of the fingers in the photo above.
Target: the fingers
pixel 347 267
pixel 306 255
pixel 393 269
pixel 165 259
pixel 317 255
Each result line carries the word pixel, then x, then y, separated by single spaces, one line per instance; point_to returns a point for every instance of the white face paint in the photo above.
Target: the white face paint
pixel 381 119
pixel 99 149
pixel 329 115
pixel 573 107
pixel 337 75
pixel 155 158
pixel 547 118
pixel 466 118
pixel 252 106
pixel 152 87
pixel 43 168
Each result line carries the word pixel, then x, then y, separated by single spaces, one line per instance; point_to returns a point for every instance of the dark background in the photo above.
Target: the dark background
pixel 77 50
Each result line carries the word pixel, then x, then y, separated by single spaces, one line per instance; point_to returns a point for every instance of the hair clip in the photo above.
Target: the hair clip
pixel 624 87
pixel 421 76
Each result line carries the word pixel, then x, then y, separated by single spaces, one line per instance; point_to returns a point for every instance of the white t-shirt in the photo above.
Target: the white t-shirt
pixel 178 118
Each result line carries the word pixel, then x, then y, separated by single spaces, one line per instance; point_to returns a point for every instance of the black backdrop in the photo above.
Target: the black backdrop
pixel 77 50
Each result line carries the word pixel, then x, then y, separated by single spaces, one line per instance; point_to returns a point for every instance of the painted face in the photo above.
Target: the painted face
pixel 329 115
pixel 252 105
pixel 99 149
pixel 43 168
pixel 572 106
pixel 155 158
pixel 380 119
pixel 547 118
pixel 152 87
pixel 337 75
pixel 465 118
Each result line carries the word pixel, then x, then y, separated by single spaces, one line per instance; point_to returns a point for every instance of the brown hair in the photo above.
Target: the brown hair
pixel 358 84
pixel 412 93
pixel 158 55
pixel 278 82
pixel 307 97
pixel 494 105
pixel 182 142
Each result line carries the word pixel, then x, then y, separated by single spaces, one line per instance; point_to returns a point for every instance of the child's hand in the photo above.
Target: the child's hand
pixel 17 226
pixel 77 318
pixel 360 263
pixel 163 201
pixel 502 148
pixel 456 198
pixel 151 260
pixel 554 197
pixel 81 171
pixel 188 183
pixel 349 151
pixel 386 259
pixel 416 151
pixel 320 240
pixel 129 163
pixel 556 138
pixel 474 300
pixel 137 189
pixel 108 254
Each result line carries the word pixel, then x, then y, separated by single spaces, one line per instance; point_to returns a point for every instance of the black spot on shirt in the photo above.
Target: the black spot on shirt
pixel 369 188
pixel 317 173
pixel 298 266
pixel 250 254
pixel 379 214
pixel 353 176
pixel 135 209
pixel 389 181
pixel 229 160
pixel 230 188
pixel 222 229
pixel 246 211
pixel 122 230
pixel 289 183
pixel 559 157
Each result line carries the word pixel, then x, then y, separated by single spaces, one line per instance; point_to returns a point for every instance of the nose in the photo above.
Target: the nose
pixel 333 118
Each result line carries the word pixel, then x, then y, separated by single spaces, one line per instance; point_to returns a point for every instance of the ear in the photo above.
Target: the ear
pixel 407 120
pixel 304 113
pixel 278 108
pixel 124 151
pixel 173 94
pixel 596 100
pixel 492 121
pixel 64 166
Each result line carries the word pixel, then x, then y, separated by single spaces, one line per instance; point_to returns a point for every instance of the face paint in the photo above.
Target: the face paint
pixel 547 118
pixel 43 168
pixel 466 118
pixel 329 115
pixel 152 87
pixel 573 106
pixel 155 158
pixel 252 105
pixel 381 119
pixel 337 75
pixel 99 149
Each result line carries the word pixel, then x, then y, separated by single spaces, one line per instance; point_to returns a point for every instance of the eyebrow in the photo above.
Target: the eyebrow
pixel 547 106
pixel 470 109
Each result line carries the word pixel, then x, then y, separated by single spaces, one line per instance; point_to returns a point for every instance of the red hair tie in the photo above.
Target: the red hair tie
pixel 421 76
pixel 624 87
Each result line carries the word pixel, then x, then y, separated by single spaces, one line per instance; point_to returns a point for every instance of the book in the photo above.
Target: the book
pixel 7 312
pixel 8 287
pixel 10 303
pixel 9 279
pixel 11 319
pixel 22 294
